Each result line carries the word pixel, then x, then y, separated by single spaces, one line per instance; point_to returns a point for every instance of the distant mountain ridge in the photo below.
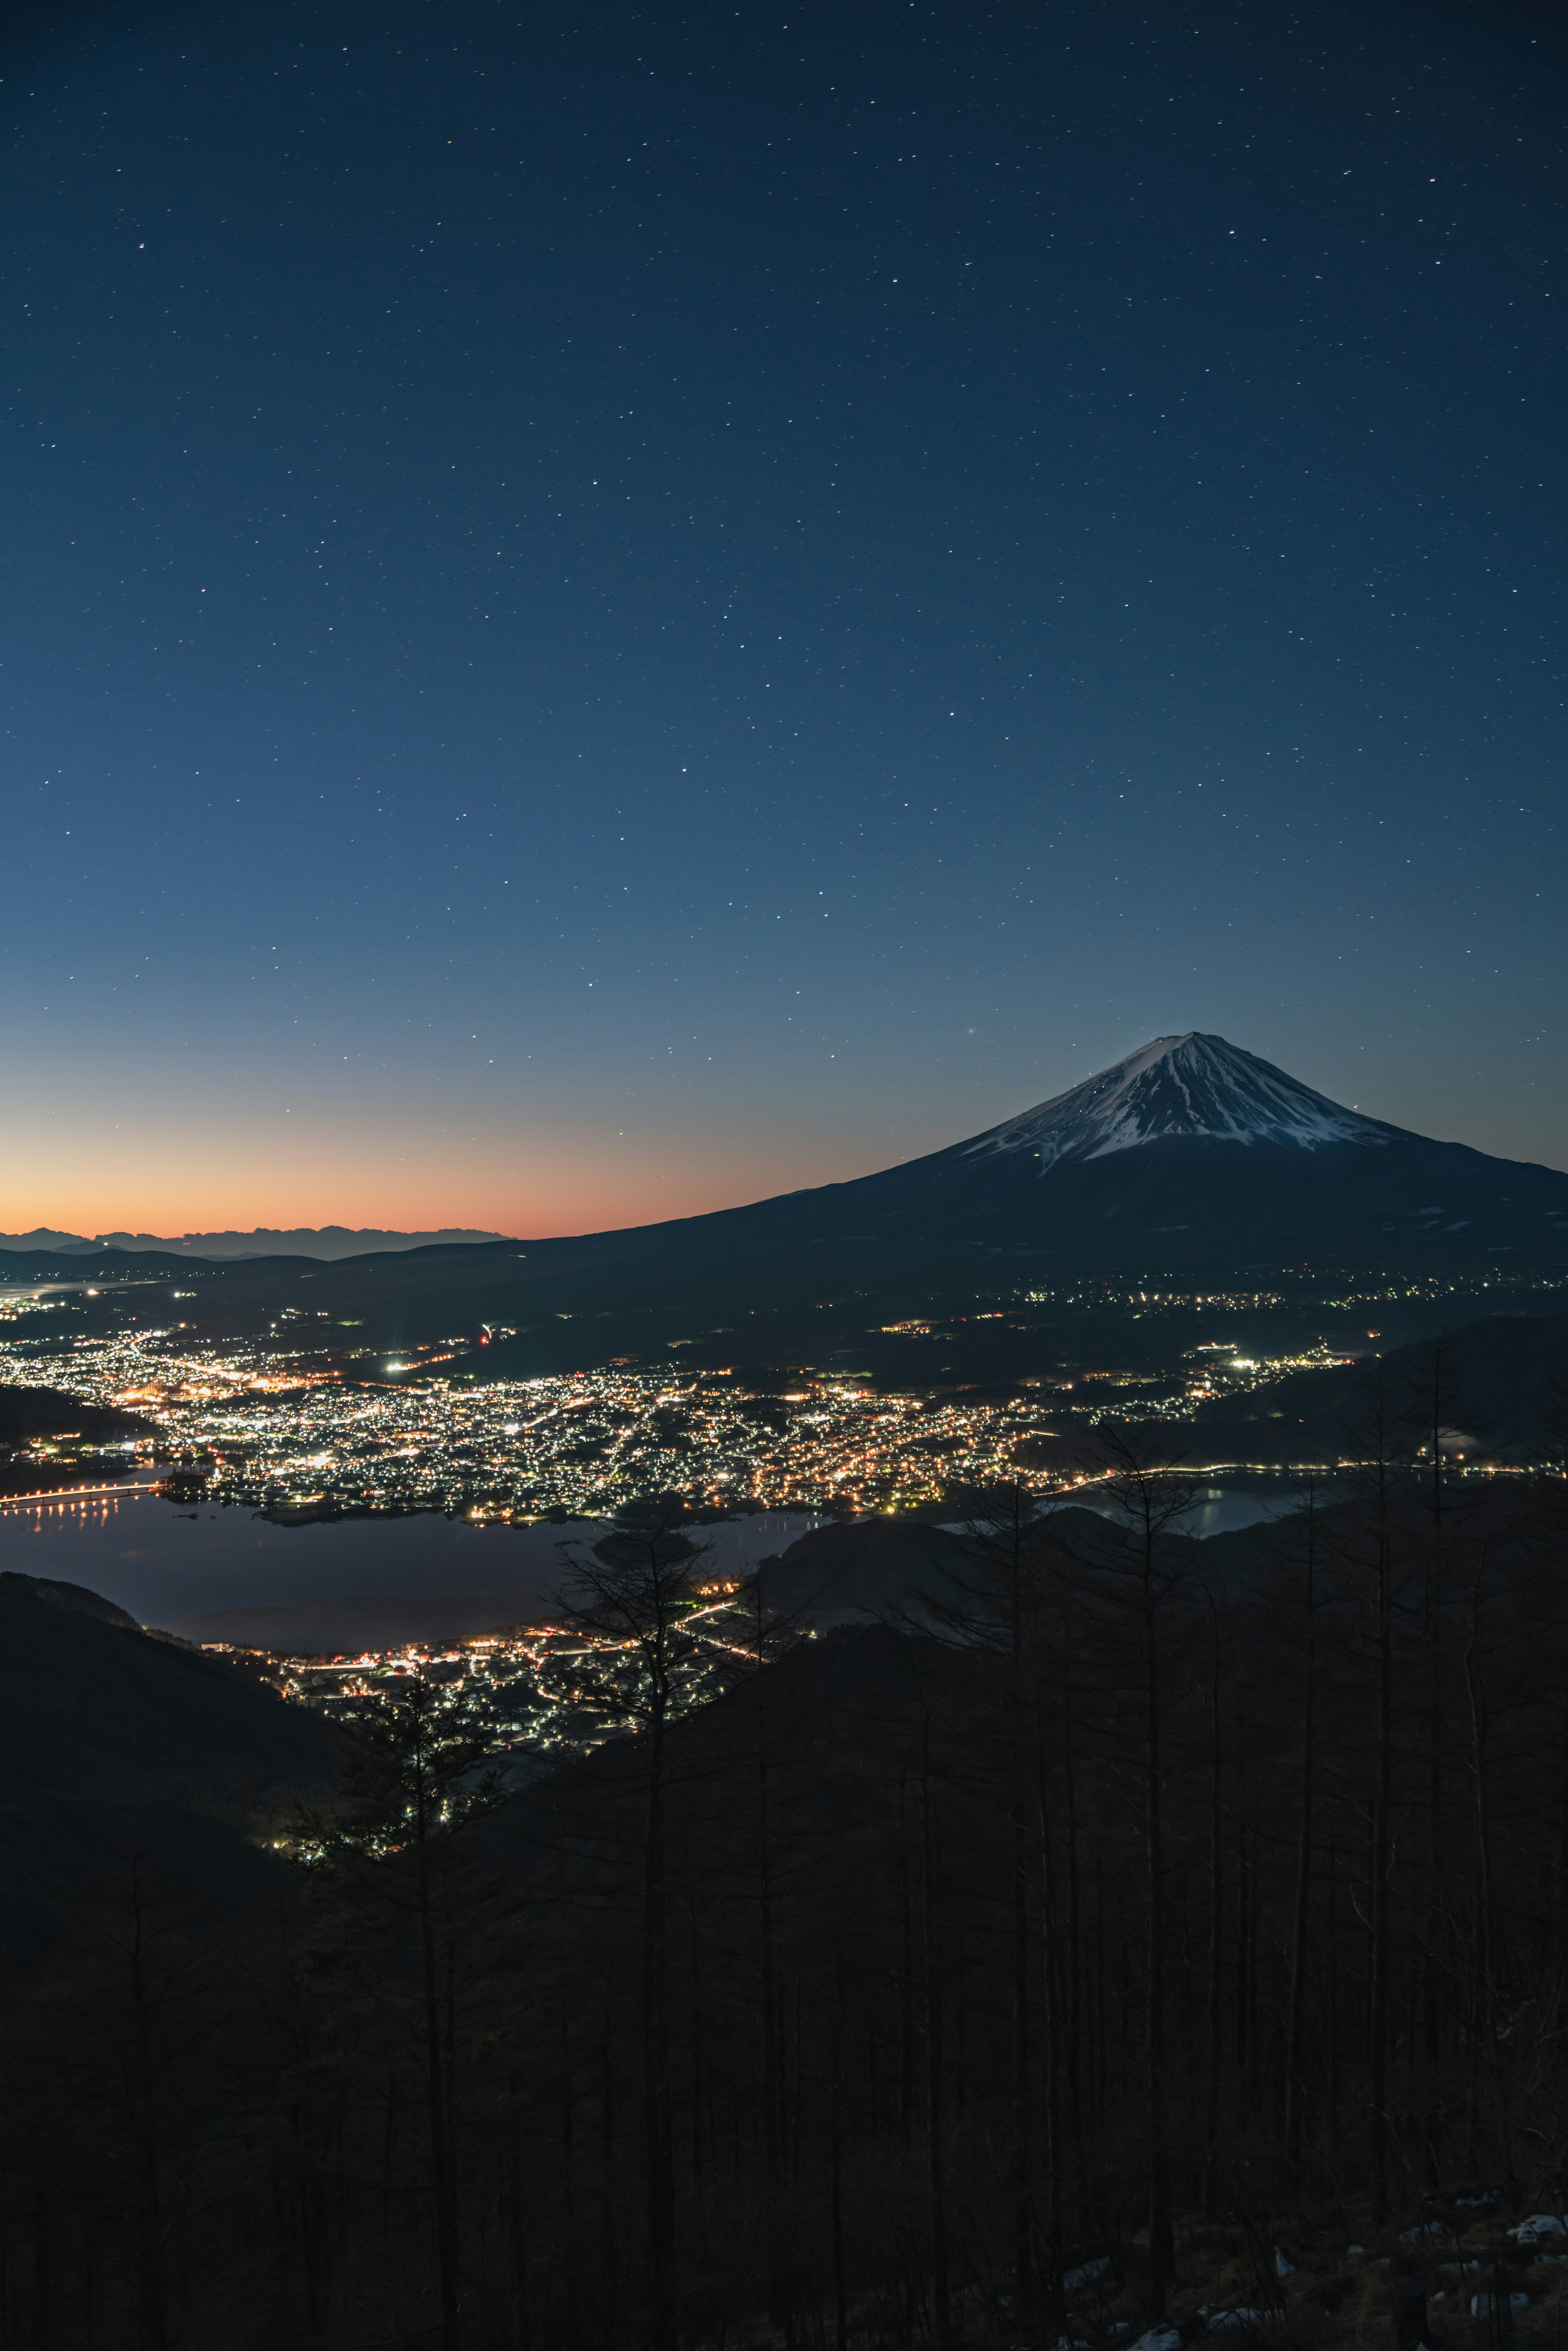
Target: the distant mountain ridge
pixel 328 1242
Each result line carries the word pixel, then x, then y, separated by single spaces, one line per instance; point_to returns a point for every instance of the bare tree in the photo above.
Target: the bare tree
pixel 1378 1436
pixel 991 1602
pixel 402 1880
pixel 1436 1407
pixel 1150 1495
pixel 1546 1529
pixel 632 1594
pixel 1306 1527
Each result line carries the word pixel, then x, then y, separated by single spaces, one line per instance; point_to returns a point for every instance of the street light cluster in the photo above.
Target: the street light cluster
pixel 519 1688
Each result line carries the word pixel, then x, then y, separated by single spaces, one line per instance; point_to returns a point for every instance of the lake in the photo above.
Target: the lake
pixel 372 1583
pixel 228 1575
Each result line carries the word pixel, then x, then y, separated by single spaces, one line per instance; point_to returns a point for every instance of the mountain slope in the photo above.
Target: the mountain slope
pixel 122 1752
pixel 92 1707
pixel 1190 1158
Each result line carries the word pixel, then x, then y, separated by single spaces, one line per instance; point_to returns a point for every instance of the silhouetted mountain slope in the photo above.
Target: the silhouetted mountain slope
pixel 75 1598
pixel 1188 1154
pixel 115 1743
pixel 878 1568
pixel 864 1569
pixel 93 1707
pixel 777 1992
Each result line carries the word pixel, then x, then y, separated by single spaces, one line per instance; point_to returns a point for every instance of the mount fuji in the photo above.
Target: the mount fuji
pixel 1196 1087
pixel 1191 1157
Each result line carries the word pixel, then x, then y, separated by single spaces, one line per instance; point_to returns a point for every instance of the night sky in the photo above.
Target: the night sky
pixel 612 610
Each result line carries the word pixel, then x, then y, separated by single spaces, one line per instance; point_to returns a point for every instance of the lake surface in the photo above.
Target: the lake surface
pixel 1221 1507
pixel 353 1583
pixel 364 1583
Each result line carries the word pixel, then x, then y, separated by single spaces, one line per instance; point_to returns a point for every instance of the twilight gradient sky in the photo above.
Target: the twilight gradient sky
pixel 609 610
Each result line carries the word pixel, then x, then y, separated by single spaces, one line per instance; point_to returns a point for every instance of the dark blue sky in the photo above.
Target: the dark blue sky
pixel 608 609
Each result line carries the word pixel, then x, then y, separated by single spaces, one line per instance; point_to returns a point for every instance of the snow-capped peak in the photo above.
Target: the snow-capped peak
pixel 1193 1086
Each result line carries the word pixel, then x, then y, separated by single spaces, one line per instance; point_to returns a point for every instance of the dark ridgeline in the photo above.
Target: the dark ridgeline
pixel 1129 1899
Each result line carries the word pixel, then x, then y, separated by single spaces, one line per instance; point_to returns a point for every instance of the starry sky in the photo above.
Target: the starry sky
pixel 609 610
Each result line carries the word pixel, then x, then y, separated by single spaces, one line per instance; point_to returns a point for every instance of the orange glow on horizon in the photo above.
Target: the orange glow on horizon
pixel 576 1184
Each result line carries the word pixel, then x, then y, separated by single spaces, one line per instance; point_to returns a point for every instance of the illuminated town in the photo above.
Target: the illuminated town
pixel 296 1435
pixel 530 1692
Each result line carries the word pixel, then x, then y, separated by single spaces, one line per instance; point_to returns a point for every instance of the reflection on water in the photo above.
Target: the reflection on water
pixel 1219 1509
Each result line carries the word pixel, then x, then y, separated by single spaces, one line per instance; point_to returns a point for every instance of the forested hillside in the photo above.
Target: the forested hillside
pixel 1159 1923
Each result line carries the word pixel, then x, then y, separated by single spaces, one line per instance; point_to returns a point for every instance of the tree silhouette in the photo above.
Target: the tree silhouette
pixel 1149 1495
pixel 632 1593
pixel 411 1913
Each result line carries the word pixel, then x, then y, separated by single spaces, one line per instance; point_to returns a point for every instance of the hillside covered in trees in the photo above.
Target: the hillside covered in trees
pixel 1130 1937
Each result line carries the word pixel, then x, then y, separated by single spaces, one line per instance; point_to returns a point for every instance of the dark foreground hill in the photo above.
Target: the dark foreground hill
pixel 895 1571
pixel 857 1572
pixel 113 1741
pixel 911 1927
pixel 146 1988
pixel 849 2009
pixel 94 1708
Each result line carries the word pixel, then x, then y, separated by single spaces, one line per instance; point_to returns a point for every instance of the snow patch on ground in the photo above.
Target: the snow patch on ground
pixel 1158 2338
